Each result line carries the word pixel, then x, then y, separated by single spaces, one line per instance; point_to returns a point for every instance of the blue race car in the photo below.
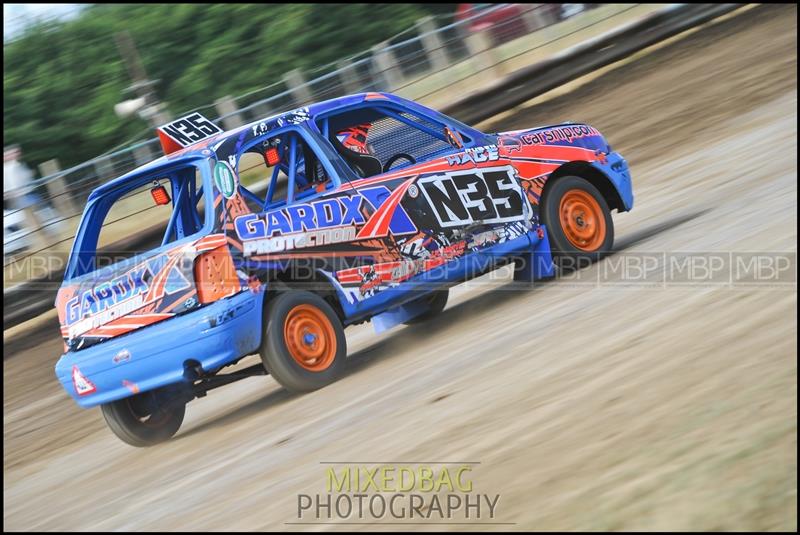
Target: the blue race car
pixel 279 234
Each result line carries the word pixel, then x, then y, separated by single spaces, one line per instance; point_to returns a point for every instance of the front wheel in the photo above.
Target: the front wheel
pixel 144 419
pixel 304 343
pixel 578 219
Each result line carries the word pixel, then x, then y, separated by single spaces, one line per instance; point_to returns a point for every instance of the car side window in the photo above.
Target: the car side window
pixel 256 172
pixel 390 136
pixel 396 138
pixel 161 208
pixel 282 169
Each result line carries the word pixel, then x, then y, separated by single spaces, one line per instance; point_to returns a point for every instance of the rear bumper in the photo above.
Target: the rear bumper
pixel 154 356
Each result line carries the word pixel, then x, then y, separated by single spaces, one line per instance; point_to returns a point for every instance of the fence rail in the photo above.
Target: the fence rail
pixel 34 297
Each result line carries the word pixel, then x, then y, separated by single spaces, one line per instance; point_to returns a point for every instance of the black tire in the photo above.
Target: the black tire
pixel 144 419
pixel 563 248
pixel 436 302
pixel 276 354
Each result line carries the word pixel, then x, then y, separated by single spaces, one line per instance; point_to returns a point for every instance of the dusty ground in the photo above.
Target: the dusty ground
pixel 617 405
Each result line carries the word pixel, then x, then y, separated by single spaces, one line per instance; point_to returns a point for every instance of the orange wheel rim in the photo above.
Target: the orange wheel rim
pixel 582 220
pixel 310 337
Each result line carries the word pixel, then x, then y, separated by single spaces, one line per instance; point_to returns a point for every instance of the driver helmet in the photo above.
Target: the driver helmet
pixel 355 138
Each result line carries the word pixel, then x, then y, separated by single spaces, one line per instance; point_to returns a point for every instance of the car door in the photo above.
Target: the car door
pixel 434 213
pixel 473 204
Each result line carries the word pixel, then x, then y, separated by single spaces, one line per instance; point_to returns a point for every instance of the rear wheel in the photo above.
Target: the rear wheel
pixel 145 419
pixel 435 301
pixel 304 343
pixel 578 219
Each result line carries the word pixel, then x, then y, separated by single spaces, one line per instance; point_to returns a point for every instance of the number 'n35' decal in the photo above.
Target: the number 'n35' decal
pixel 190 129
pixel 459 198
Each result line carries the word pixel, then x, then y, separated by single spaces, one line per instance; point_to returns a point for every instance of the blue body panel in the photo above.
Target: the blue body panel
pixel 231 328
pixel 214 335
pixel 460 269
pixel 530 249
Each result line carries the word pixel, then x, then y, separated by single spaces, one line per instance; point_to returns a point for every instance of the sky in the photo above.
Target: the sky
pixel 17 16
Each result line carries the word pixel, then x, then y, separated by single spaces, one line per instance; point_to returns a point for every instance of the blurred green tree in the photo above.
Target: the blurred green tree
pixel 62 79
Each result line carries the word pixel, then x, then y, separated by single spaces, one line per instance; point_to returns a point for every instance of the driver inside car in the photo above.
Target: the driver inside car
pixel 354 147
pixel 355 138
pixel 352 144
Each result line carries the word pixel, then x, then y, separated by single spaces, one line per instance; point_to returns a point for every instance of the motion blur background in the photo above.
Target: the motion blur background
pixel 619 406
pixel 84 86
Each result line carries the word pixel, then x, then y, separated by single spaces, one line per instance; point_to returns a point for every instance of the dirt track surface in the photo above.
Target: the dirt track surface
pixel 589 406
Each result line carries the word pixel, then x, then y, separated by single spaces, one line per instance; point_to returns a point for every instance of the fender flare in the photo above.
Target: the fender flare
pixel 611 179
